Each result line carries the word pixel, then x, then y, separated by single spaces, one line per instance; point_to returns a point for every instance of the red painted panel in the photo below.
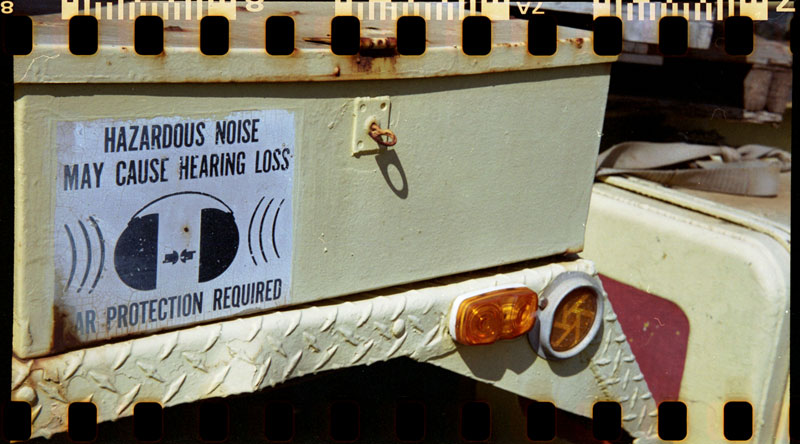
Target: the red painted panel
pixel 658 333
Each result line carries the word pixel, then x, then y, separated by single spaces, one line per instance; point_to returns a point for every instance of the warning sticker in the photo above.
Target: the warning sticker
pixel 170 221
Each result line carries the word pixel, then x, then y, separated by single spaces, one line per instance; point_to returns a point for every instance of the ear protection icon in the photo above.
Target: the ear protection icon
pixel 136 253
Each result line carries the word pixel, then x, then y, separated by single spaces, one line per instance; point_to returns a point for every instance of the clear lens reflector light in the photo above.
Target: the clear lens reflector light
pixel 487 316
pixel 571 318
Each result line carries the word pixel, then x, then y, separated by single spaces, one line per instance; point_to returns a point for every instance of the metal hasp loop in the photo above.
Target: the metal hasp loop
pixel 376 133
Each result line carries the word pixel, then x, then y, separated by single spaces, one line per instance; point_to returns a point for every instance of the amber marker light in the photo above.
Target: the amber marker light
pixel 570 318
pixel 486 316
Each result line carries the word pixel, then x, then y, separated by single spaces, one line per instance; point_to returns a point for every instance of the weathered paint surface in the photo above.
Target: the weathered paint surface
pixel 732 283
pixel 658 333
pixel 312 60
pixel 249 354
pixel 441 201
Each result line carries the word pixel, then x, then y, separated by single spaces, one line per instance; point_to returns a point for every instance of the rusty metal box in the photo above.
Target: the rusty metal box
pixel 154 192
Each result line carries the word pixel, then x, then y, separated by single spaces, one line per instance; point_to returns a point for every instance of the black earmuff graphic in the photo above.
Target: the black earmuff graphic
pixel 137 256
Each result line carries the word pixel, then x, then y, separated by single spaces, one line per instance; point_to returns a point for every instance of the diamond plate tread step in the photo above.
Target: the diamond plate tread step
pixel 250 354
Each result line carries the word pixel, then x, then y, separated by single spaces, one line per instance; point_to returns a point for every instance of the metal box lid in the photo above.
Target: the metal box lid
pixel 247 60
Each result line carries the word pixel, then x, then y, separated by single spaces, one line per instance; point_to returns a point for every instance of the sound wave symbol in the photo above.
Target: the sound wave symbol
pixel 74 263
pixel 261 230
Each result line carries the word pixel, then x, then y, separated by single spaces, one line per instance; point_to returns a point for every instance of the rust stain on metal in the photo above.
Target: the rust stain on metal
pixel 174 28
pixel 320 40
pixel 378 43
pixel 378 47
pixel 574 250
pixel 363 64
pixel 377 133
pixel 577 42
pixel 369 48
pixel 63 336
pixel 374 65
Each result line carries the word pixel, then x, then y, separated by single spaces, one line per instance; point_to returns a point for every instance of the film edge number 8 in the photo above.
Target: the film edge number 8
pixel 673 34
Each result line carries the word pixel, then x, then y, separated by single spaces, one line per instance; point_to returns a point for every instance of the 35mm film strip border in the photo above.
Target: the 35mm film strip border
pixel 17 33
pixel 429 9
pixel 345 32
pixel 411 419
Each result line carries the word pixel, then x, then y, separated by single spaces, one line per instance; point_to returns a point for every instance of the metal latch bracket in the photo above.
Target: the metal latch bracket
pixel 366 111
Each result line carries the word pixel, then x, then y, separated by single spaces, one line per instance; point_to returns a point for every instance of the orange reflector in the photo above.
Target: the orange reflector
pixel 573 319
pixel 497 314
